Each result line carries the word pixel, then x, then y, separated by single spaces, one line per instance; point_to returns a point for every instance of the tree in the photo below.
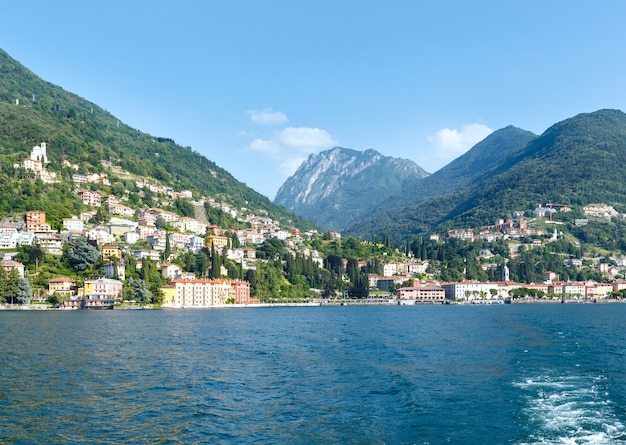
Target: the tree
pixel 36 254
pixel 160 223
pixel 234 270
pixel 334 263
pixel 251 278
pixel 10 286
pixel 360 287
pixel 236 244
pixel 82 255
pixel 24 291
pixel 216 264
pixel 271 249
pixel 168 248
pixel 139 291
pixel 353 270
pixel 55 300
pixel 3 284
pixel 100 217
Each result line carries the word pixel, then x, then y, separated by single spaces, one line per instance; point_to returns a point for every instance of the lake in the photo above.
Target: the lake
pixel 498 374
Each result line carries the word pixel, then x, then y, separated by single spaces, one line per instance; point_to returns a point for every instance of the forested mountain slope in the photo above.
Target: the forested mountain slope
pixel 33 110
pixel 577 161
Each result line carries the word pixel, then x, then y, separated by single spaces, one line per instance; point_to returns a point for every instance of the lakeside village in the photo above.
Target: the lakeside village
pixel 129 228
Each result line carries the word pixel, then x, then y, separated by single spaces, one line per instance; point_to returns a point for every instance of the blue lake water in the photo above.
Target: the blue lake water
pixel 502 374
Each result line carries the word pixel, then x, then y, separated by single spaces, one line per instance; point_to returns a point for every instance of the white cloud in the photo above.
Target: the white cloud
pixel 267 116
pixel 292 145
pixel 289 166
pixel 448 144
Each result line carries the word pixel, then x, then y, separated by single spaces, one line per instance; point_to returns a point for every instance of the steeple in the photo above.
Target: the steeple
pixel 505 272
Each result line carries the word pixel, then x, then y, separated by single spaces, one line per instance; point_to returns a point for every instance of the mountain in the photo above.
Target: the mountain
pixel 78 131
pixel 337 187
pixel 482 157
pixel 578 161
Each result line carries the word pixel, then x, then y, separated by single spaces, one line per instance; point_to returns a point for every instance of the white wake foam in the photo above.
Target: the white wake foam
pixel 570 410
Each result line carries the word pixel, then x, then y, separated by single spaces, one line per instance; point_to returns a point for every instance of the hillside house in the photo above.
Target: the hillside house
pixel 170 271
pixel 7 265
pixel 36 221
pixel 90 198
pixel 61 286
pixel 115 270
pixel 74 225
pixel 122 210
pixel 109 251
pixel 51 243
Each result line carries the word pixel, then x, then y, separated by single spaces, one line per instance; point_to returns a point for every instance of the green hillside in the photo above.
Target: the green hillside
pixel 32 111
pixel 485 155
pixel 578 161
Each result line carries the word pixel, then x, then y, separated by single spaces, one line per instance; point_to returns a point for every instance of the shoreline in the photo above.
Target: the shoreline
pixel 320 303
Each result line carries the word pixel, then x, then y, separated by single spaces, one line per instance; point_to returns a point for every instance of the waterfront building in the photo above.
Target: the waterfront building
pixel 103 292
pixel 425 293
pixel 198 293
pixel 103 286
pixel 470 290
pixel 61 285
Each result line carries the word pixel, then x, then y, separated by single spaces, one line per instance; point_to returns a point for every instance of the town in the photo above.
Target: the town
pixel 156 235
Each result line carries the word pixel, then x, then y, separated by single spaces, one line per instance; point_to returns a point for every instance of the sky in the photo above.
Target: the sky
pixel 258 85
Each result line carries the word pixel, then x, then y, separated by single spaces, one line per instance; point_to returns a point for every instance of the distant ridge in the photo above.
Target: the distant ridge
pixel 339 186
pixel 482 157
pixel 578 161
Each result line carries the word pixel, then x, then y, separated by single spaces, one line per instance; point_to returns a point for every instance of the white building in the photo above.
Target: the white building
pixel 101 236
pixel 74 225
pixel 390 269
pixel 131 237
pixel 471 290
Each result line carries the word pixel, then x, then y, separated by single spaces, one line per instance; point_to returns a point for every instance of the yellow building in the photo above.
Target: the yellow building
pixel 61 285
pixel 218 241
pixel 169 295
pixel 103 286
pixel 198 293
pixel 109 251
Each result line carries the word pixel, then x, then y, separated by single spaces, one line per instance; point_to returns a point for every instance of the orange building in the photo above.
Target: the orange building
pixel 36 221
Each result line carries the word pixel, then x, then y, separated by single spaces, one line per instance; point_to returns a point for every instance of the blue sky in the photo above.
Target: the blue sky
pixel 257 86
